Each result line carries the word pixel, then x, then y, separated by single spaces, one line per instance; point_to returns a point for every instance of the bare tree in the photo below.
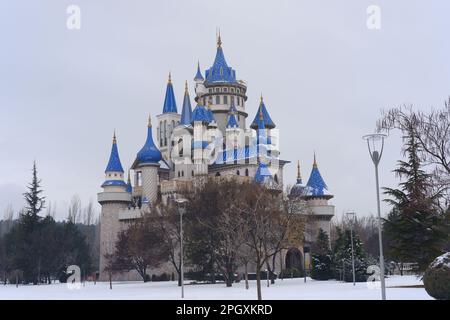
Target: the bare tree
pixel 74 209
pixel 8 217
pixel 89 213
pixel 432 132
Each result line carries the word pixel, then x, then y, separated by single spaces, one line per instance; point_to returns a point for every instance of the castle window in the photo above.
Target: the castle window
pixel 225 89
pixel 192 172
pixel 210 90
pixel 178 174
pixel 217 89
pixel 275 177
pixel 232 89
pixel 246 172
pixel 238 91
pixel 221 71
pixel 232 99
pixel 225 99
pixel 218 174
pixel 217 99
pixel 182 173
pixel 238 173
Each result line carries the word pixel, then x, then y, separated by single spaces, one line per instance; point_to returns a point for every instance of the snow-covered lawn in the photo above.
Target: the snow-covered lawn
pixel 283 289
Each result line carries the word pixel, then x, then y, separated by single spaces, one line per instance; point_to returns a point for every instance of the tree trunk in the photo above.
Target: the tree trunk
pixel 17 280
pixel 229 278
pixel 246 276
pixel 110 281
pixel 258 281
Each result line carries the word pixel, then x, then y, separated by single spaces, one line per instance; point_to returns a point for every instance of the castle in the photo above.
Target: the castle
pixel 210 140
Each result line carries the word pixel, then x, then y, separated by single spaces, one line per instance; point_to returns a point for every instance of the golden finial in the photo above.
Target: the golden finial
pixel 261 99
pixel 129 178
pixel 185 87
pixel 170 77
pixel 114 137
pixel 149 121
pixel 315 162
pixel 219 40
pixel 299 175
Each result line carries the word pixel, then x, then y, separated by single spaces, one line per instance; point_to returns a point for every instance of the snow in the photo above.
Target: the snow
pixel 442 261
pixel 288 289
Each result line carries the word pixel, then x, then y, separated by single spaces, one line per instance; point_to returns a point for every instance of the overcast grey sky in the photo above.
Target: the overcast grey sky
pixel 324 75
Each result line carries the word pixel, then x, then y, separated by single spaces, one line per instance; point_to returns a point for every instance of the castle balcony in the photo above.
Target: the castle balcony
pixel 130 214
pixel 174 186
pixel 103 197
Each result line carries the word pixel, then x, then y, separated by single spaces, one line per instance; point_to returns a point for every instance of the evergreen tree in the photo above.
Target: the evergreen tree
pixel 342 258
pixel 321 257
pixel 35 202
pixel 415 230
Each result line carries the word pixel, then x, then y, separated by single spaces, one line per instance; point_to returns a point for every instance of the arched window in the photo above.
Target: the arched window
pixel 246 172
pixel 180 147
pixel 182 173
pixel 217 174
pixel 238 173
pixel 192 172
pixel 165 132
pixel 178 174
pixel 275 177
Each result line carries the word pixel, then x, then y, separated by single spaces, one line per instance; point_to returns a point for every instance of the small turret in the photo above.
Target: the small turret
pixel 114 171
pixel 186 112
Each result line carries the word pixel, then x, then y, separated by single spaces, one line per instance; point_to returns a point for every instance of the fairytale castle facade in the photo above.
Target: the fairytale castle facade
pixel 210 140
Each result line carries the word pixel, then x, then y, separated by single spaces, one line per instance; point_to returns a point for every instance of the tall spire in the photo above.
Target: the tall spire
pixel 186 111
pixel 262 113
pixel 220 71
pixel 198 76
pixel 219 40
pixel 170 104
pixel 316 184
pixel 114 164
pixel 299 175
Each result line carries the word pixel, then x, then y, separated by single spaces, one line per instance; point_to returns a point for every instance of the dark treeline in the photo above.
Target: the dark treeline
pixel 34 248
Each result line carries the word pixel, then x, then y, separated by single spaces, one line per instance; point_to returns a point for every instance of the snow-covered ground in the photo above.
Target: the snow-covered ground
pixel 294 289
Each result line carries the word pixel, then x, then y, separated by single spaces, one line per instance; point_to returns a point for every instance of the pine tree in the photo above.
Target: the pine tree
pixel 415 230
pixel 321 257
pixel 342 258
pixel 35 202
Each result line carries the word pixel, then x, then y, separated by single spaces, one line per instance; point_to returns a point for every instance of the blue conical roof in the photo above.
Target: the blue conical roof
pixel 266 120
pixel 232 122
pixel 186 112
pixel 149 152
pixel 198 76
pixel 200 114
pixel 114 164
pixel 316 185
pixel 170 105
pixel 220 71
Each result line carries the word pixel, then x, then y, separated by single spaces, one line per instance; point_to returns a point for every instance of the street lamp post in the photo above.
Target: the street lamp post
pixel 181 210
pixel 375 144
pixel 352 215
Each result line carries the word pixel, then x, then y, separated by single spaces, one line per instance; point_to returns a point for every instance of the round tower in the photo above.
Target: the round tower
pixel 113 200
pixel 146 168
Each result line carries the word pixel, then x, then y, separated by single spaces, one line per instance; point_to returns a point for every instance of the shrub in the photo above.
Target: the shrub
pixel 292 273
pixel 437 278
